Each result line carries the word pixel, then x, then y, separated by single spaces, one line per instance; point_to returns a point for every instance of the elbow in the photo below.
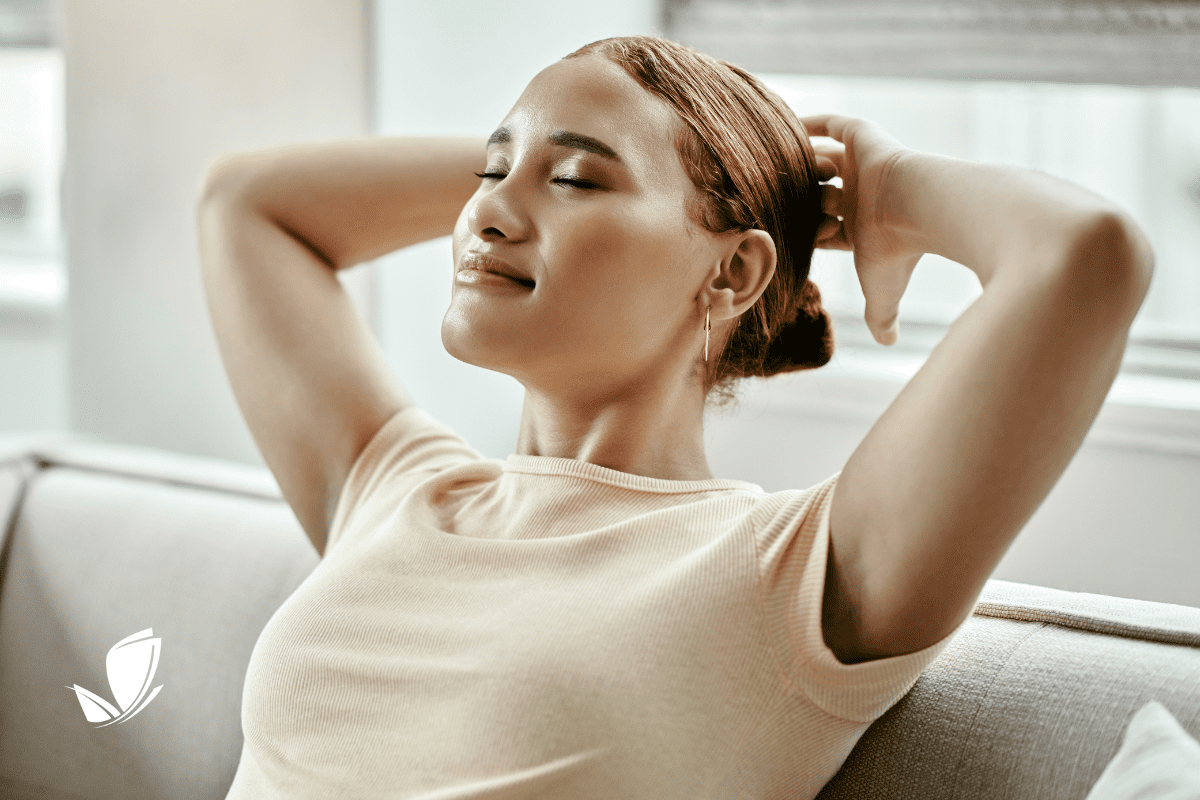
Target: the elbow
pixel 1110 262
pixel 223 177
pixel 225 194
pixel 215 187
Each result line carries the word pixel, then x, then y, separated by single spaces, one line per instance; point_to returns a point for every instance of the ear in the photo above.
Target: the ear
pixel 746 270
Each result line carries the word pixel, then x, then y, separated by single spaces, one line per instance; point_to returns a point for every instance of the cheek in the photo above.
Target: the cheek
pixel 618 245
pixel 661 252
pixel 629 277
pixel 461 233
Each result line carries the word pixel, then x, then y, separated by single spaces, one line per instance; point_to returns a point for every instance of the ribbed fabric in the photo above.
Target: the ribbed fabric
pixel 543 627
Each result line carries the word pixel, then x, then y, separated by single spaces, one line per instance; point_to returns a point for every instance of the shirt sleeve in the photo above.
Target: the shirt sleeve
pixel 410 442
pixel 793 542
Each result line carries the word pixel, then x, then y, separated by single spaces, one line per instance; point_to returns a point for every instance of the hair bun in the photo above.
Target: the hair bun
pixel 804 342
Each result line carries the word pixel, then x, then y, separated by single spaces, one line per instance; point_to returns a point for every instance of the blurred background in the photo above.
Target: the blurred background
pixel 109 113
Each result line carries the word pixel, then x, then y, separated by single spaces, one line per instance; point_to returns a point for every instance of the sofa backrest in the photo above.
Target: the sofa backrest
pixel 1030 700
pixel 103 541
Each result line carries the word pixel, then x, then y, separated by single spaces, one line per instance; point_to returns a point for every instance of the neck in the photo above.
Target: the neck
pixel 657 433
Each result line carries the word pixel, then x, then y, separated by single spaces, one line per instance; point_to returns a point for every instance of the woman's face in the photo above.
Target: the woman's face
pixel 586 197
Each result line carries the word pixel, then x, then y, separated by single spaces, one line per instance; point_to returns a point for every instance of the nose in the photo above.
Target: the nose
pixel 498 214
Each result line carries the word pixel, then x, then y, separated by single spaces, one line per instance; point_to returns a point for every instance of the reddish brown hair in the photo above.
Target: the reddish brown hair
pixel 752 162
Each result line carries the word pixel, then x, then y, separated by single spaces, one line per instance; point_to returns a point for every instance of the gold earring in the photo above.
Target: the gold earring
pixel 706 329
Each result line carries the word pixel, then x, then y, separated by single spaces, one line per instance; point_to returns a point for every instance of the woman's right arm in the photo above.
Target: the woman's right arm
pixel 274 227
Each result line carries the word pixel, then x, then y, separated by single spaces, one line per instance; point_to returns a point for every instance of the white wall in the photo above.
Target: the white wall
pixel 33 374
pixel 153 91
pixel 1122 520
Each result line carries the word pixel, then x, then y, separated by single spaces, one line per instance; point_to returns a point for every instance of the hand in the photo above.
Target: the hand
pixel 864 155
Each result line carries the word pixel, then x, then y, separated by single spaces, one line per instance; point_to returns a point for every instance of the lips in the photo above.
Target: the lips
pixel 488 263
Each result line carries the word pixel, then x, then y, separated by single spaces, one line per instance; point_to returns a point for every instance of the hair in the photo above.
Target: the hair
pixel 751 161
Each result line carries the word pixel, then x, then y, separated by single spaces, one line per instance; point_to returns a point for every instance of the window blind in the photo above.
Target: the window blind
pixel 1131 43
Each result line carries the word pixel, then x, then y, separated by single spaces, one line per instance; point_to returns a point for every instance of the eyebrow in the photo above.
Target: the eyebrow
pixel 564 139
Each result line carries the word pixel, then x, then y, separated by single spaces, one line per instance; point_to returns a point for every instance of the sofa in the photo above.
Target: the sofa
pixel 122 558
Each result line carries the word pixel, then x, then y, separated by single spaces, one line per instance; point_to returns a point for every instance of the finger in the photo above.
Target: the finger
pixel 831 200
pixel 882 295
pixel 890 334
pixel 835 155
pixel 832 125
pixel 831 150
pixel 835 243
pixel 828 227
pixel 884 325
pixel 826 169
pixel 883 286
pixel 836 240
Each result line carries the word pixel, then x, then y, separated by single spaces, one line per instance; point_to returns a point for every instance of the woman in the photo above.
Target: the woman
pixel 597 615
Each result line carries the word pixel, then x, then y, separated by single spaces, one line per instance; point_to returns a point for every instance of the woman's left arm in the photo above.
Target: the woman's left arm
pixel 943 482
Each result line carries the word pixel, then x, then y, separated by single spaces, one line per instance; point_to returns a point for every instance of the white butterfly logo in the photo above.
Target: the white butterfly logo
pixel 131 664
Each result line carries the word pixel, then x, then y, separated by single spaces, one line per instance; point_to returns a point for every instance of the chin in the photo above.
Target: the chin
pixel 463 338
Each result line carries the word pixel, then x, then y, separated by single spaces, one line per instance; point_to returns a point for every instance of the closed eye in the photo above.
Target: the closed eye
pixel 570 180
pixel 578 183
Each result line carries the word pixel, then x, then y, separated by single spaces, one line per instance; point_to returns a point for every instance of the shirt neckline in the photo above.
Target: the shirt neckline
pixel 571 467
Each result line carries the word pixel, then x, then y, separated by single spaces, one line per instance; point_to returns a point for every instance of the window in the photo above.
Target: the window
pixel 32 277
pixel 1103 95
pixel 1137 146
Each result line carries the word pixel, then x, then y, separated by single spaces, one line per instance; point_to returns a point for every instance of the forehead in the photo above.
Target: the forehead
pixel 591 95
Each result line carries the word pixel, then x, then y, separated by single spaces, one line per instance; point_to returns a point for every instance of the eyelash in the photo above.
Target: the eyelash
pixel 576 182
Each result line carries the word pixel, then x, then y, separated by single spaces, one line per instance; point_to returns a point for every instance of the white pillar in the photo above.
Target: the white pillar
pixel 154 90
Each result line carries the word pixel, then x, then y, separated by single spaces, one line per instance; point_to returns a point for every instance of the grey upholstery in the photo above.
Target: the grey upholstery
pixel 1027 709
pixel 102 541
pixel 109 541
